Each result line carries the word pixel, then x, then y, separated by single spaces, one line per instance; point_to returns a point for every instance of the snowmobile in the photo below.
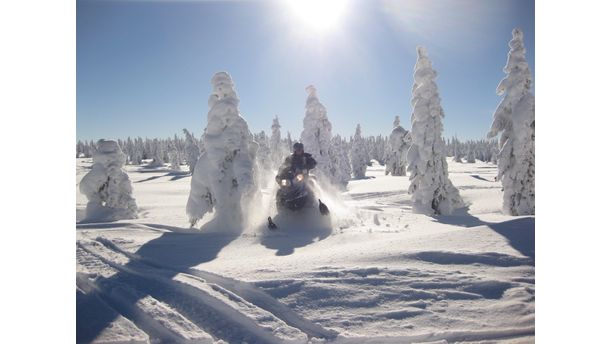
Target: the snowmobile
pixel 295 193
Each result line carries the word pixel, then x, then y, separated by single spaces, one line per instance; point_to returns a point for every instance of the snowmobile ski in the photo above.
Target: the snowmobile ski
pixel 271 224
pixel 323 209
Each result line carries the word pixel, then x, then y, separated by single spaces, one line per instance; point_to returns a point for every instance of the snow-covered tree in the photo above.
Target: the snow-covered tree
pixel 277 150
pixel 156 153
pixel 359 155
pixel 80 149
pixel 122 148
pixel 175 158
pixel 457 157
pixel 377 148
pixel 470 156
pixel 263 153
pixel 138 151
pixel 224 177
pixel 456 150
pixel 85 149
pixel 192 151
pixel 129 150
pixel 107 186
pixel 514 119
pixel 341 163
pixel 317 136
pixel 430 187
pixel 494 155
pixel 289 142
pixel 395 157
pixel 178 146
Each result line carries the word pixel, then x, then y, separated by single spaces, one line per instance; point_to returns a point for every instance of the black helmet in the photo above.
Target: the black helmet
pixel 298 146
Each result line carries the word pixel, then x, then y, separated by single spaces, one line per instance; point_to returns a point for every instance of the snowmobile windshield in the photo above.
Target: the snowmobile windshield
pixel 287 173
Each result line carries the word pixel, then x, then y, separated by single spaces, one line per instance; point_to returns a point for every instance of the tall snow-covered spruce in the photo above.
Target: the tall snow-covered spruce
pixel 359 155
pixel 289 142
pixel 263 152
pixel 107 186
pixel 514 119
pixel 223 180
pixel 277 150
pixel 432 191
pixel 317 140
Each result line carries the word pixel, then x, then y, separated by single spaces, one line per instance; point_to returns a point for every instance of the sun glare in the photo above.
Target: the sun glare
pixel 319 15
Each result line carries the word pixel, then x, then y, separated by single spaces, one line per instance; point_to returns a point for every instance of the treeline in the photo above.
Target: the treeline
pixel 179 150
pixel 471 150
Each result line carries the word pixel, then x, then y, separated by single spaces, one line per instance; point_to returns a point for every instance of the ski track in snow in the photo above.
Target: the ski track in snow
pixel 221 312
pixel 427 292
pixel 245 290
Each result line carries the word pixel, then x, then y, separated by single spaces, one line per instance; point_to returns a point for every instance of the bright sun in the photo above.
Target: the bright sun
pixel 319 15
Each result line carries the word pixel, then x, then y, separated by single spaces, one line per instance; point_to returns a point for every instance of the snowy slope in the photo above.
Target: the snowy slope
pixel 378 274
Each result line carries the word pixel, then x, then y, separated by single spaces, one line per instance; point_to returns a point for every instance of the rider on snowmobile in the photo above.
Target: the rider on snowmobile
pixel 295 166
pixel 296 162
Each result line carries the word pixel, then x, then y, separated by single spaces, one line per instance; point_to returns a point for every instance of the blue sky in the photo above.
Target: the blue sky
pixel 144 67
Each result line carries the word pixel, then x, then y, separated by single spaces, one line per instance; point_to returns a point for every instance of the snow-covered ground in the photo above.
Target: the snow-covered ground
pixel 379 274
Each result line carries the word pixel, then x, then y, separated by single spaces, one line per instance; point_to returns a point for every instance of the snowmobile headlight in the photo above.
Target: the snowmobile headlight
pixel 300 177
pixel 284 182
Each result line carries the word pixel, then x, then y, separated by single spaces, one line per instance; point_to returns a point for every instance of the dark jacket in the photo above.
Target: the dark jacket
pixel 301 162
pixel 294 163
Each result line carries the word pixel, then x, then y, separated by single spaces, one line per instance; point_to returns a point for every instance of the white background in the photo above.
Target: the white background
pixel 38 135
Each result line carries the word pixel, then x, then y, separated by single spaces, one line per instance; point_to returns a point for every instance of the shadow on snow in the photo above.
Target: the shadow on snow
pixel 176 175
pixel 181 248
pixel 519 232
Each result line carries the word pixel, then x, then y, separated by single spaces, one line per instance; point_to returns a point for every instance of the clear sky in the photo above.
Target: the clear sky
pixel 144 67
